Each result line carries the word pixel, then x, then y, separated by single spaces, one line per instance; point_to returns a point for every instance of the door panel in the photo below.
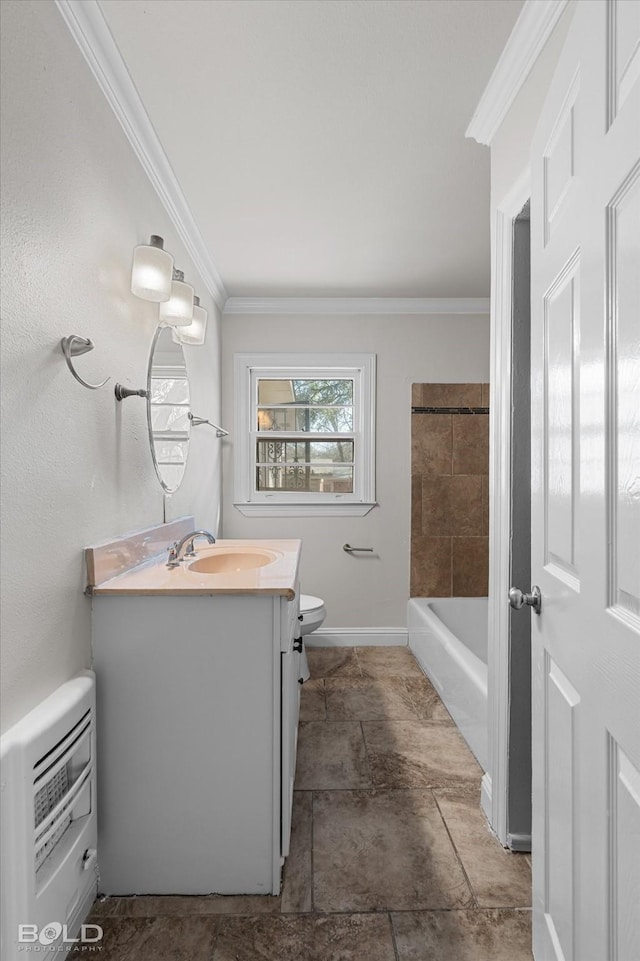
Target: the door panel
pixel 561 329
pixel 623 54
pixel 585 376
pixel 623 258
pixel 623 855
pixel 559 159
pixel 561 701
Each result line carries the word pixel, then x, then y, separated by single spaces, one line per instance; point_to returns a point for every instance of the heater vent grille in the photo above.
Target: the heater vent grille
pixel 49 795
pixel 59 778
pixel 48 829
pixel 47 798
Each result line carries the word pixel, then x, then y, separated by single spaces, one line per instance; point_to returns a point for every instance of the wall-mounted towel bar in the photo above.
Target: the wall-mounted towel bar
pixel 350 550
pixel 197 421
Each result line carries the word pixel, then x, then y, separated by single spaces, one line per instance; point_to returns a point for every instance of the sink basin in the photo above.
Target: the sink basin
pixel 231 561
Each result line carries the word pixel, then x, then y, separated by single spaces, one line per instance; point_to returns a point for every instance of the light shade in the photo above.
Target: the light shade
pixel 152 271
pixel 193 334
pixel 178 310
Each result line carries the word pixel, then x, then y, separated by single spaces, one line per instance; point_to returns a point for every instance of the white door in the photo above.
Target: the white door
pixel 585 248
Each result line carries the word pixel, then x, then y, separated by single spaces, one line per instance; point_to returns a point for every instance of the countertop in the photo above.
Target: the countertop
pixel 153 577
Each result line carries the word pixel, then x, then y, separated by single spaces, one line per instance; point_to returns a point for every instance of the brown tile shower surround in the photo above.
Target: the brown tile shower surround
pixel 391 859
pixel 449 490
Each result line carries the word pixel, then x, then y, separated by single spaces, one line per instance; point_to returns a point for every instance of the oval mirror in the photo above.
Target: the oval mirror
pixel 168 409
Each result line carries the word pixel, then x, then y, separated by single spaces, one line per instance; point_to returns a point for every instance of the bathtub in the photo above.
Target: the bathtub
pixel 448 636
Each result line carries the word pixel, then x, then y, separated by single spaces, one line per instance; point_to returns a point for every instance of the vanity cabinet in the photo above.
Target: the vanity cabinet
pixel 197 714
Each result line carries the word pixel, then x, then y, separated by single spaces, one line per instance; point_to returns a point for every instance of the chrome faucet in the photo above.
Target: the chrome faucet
pixel 174 559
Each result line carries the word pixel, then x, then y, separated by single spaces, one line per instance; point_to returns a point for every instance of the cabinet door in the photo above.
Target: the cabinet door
pixel 290 673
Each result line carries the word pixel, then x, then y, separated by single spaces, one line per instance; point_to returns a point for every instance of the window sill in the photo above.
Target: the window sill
pixel 306 510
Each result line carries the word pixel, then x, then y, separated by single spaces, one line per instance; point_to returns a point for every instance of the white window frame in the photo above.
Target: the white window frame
pixel 291 366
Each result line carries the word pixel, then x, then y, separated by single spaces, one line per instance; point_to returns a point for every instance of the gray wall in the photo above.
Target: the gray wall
pixel 365 590
pixel 76 467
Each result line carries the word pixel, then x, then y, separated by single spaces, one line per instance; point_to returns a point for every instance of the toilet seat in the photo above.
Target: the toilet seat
pixel 312 613
pixel 310 603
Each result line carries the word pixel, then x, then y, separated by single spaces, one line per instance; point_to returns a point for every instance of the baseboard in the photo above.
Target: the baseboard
pixel 519 842
pixel 485 797
pixel 358 637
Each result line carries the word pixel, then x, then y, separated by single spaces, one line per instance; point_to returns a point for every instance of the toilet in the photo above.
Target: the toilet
pixel 313 613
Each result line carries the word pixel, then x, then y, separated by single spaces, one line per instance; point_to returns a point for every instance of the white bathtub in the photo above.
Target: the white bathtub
pixel 448 636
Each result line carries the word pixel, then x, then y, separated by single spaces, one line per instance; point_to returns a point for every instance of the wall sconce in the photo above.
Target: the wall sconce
pixel 154 277
pixel 178 310
pixel 194 333
pixel 152 271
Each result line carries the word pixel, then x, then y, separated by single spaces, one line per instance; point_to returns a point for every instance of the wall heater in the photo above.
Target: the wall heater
pixel 48 827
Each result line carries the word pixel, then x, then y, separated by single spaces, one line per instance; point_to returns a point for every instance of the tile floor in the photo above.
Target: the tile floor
pixel 391 859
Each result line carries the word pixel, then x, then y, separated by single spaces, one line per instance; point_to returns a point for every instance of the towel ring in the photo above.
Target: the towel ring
pixel 73 346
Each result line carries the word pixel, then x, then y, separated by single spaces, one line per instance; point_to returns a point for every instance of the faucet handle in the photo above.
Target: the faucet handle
pixel 172 559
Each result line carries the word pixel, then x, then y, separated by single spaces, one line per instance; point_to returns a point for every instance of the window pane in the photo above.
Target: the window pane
pixel 307 452
pixel 169 390
pixel 305 391
pixel 170 419
pixel 325 478
pixel 323 392
pixel 170 452
pixel 320 420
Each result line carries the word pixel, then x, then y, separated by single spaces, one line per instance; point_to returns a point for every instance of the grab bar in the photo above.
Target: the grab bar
pixel 350 550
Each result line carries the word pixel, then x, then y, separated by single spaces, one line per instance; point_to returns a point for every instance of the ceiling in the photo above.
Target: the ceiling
pixel 320 143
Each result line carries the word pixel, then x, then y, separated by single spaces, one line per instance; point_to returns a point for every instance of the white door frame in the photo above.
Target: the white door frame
pixel 495 780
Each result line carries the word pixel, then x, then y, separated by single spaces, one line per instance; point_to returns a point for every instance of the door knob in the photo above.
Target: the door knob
pixel 518 599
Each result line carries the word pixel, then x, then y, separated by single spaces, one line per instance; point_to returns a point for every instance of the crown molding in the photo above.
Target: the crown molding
pixel 533 28
pixel 89 29
pixel 356 305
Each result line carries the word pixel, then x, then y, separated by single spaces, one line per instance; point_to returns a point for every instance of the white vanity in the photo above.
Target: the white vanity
pixel 197 712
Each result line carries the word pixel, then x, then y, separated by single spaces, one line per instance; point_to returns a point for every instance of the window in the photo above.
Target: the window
pixel 169 410
pixel 305 428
